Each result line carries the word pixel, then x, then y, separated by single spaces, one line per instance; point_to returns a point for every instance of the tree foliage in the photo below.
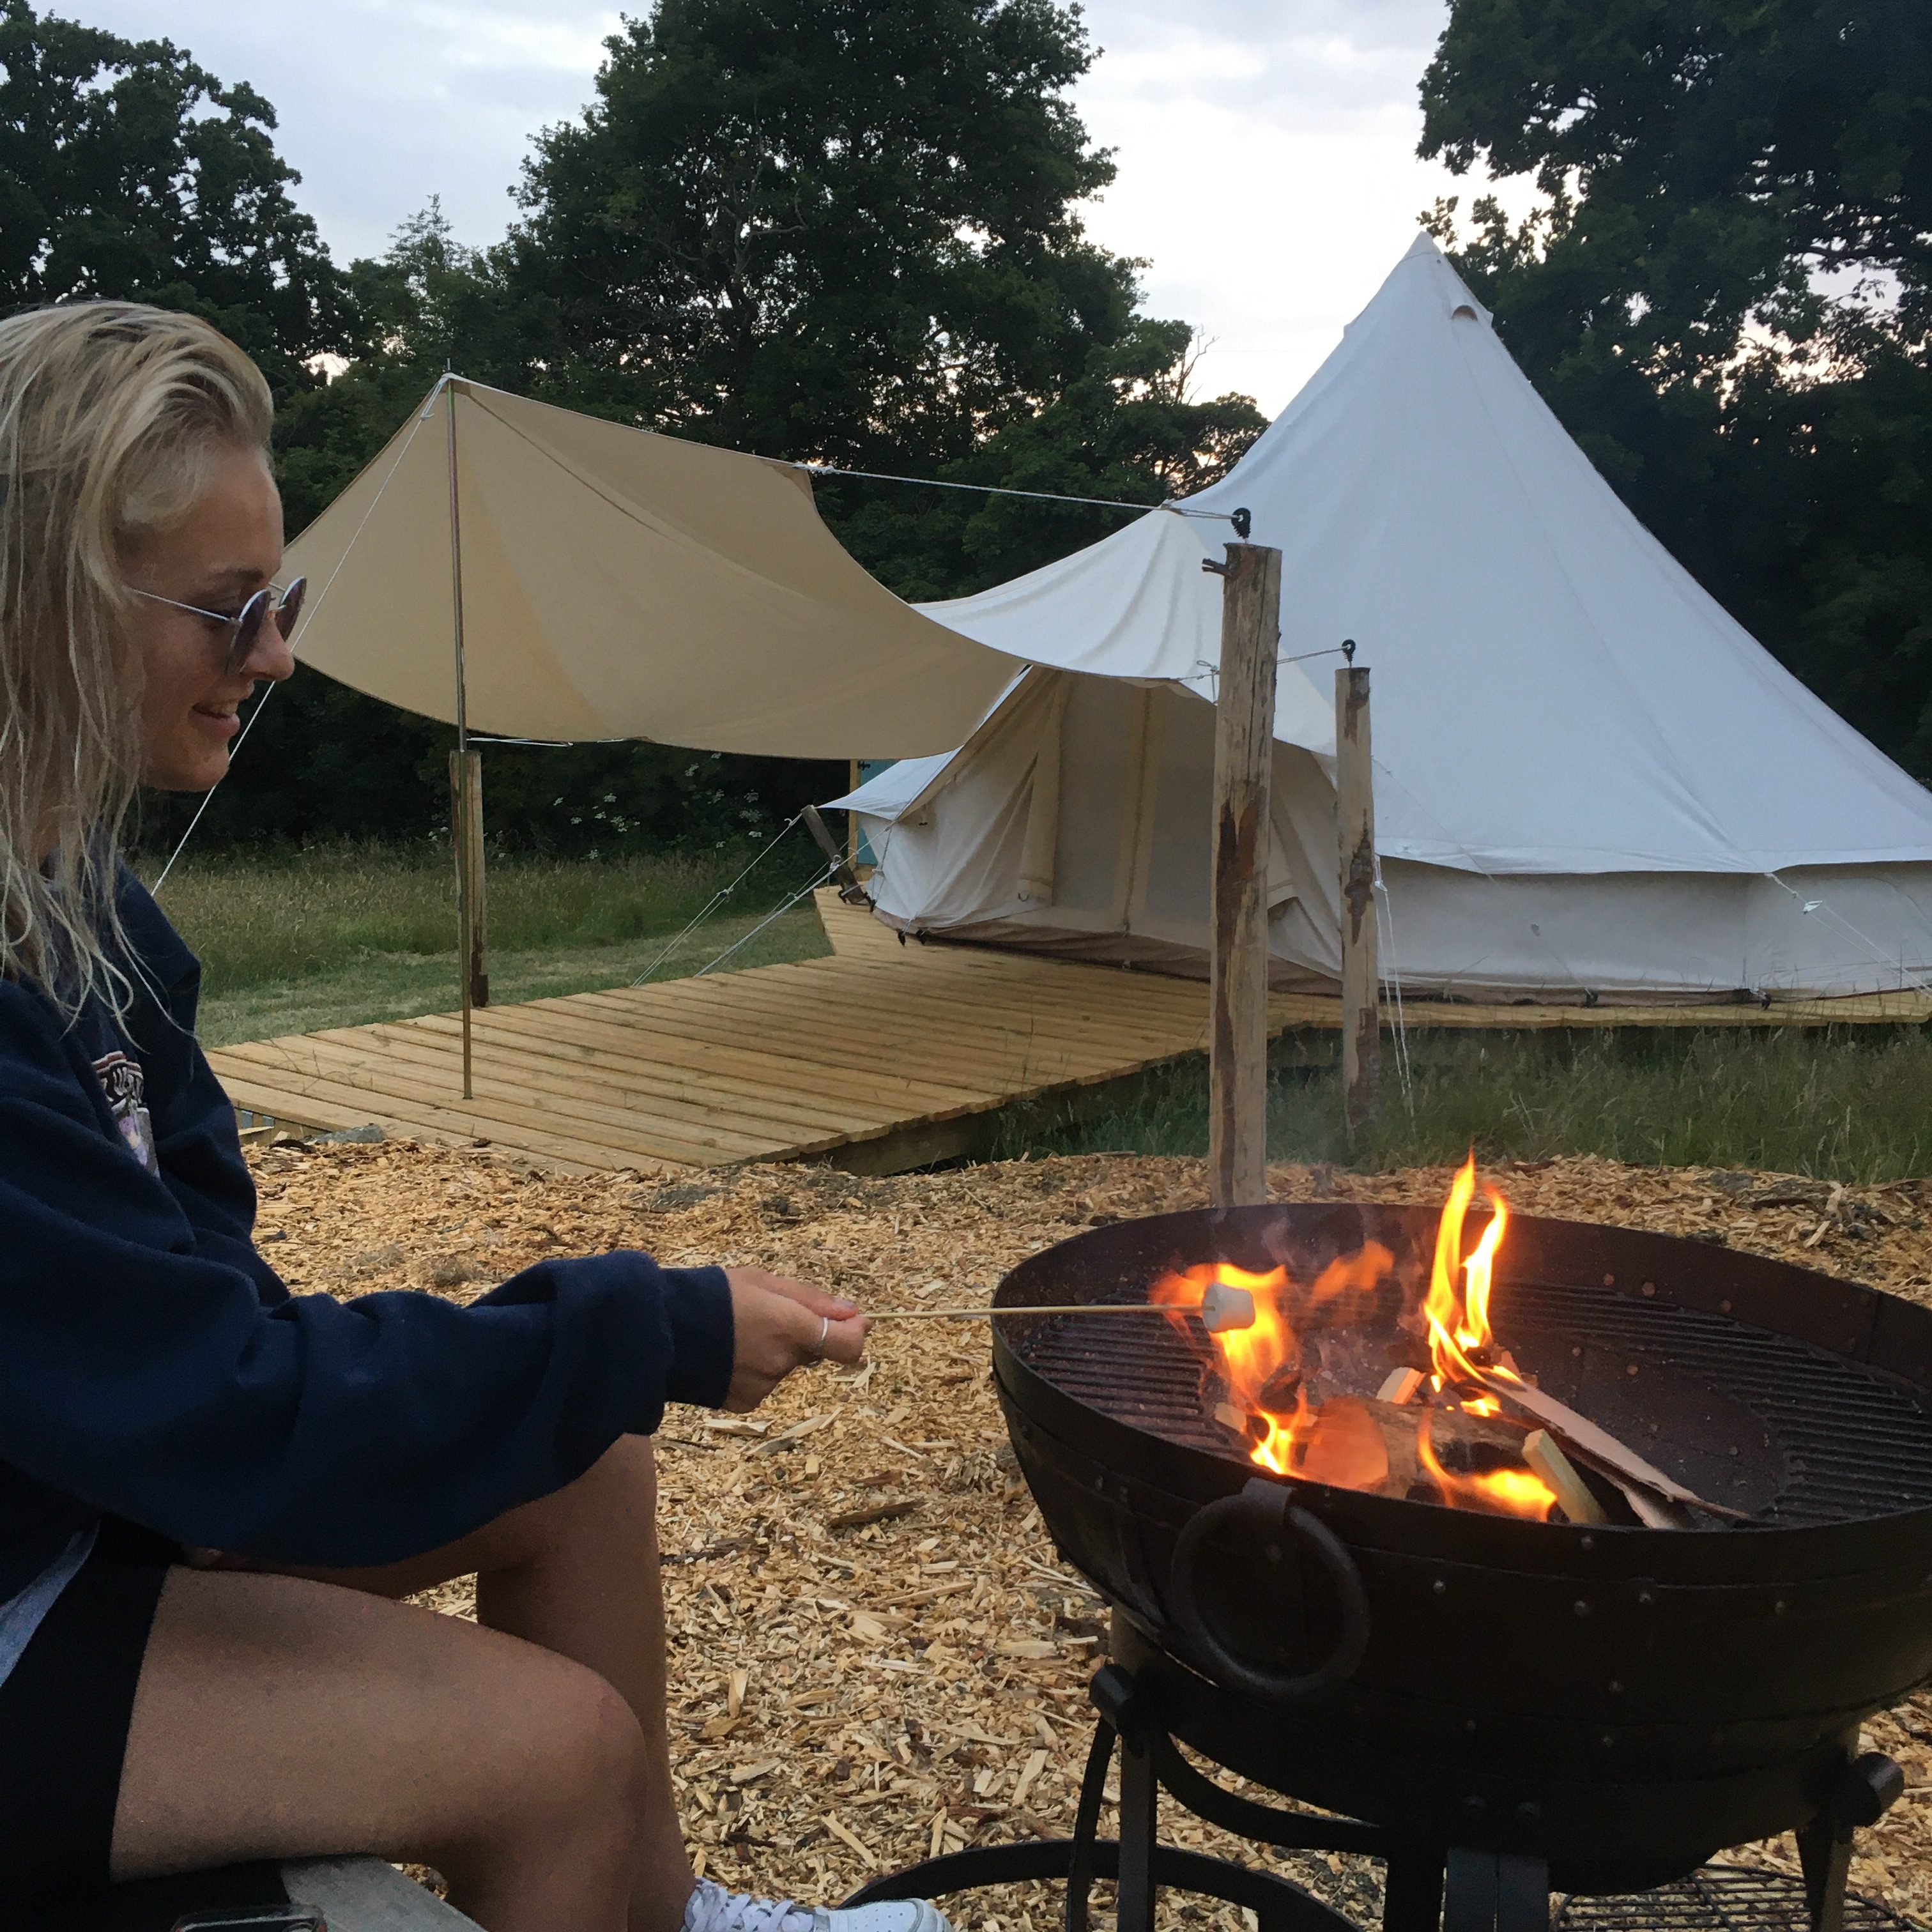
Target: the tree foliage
pixel 126 170
pixel 1727 296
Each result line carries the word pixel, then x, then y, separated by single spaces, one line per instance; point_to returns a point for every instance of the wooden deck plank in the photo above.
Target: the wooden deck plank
pixel 787 1116
pixel 702 1040
pixel 328 1106
pixel 695 1060
pixel 668 1133
pixel 968 1017
pixel 553 1065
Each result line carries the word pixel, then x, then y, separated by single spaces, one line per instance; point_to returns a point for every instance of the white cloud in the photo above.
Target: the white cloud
pixel 1267 154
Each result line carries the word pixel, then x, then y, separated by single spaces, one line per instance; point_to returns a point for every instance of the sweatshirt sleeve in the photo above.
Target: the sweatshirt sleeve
pixel 144 1374
pixel 197 1141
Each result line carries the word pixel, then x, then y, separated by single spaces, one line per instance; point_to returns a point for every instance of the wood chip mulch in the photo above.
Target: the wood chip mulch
pixel 877 1655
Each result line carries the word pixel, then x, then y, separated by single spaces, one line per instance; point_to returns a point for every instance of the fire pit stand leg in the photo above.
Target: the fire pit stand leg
pixel 1495 1891
pixel 1866 1789
pixel 1140 1809
pixel 1412 1891
pixel 1080 1872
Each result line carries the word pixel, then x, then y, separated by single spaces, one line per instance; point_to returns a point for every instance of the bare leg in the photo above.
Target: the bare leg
pixel 577 1573
pixel 280 1716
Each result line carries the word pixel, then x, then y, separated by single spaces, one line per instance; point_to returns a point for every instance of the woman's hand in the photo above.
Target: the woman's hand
pixel 777 1323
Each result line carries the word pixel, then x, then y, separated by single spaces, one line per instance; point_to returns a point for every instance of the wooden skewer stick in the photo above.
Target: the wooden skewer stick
pixel 1047 1308
pixel 1220 1309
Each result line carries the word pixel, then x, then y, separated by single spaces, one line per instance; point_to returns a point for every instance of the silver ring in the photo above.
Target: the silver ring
pixel 824 1329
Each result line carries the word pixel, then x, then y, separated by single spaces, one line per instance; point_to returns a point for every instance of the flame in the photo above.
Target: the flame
pixel 1459 1324
pixel 1501 1492
pixel 1261 1363
pixel 1342 1441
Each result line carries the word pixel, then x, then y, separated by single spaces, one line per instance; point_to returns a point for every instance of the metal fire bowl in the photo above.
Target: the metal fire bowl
pixel 1623 1701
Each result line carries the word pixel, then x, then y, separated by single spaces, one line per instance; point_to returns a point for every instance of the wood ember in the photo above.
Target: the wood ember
pixel 813 1749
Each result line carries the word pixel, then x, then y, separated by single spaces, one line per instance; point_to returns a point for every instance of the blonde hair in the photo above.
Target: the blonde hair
pixel 109 414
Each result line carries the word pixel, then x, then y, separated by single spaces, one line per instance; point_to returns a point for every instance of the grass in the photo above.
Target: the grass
pixel 347 935
pixel 1854 1105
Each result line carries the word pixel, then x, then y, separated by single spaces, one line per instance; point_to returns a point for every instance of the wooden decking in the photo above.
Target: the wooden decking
pixel 879 1058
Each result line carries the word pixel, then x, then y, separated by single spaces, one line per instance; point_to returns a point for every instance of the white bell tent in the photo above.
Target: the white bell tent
pixel 1591 783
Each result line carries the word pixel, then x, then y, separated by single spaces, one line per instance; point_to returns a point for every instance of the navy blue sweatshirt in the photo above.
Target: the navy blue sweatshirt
pixel 153 1366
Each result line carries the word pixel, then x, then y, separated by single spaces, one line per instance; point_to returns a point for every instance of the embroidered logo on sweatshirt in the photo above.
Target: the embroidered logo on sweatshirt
pixel 125 1084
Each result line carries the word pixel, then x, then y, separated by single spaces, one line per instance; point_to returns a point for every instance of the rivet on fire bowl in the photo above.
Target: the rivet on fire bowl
pixel 1724 1307
pixel 1582 1608
pixel 1630 1368
pixel 1779 1608
pixel 1589 1543
pixel 1644 1600
pixel 1469 1726
pixel 1608 1741
pixel 1274 1552
pixel 1650 1288
pixel 1577 1352
pixel 1440 1588
pixel 1616 1689
pixel 1609 1281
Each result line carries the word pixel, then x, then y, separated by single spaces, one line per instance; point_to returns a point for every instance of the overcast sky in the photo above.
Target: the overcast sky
pixel 1266 148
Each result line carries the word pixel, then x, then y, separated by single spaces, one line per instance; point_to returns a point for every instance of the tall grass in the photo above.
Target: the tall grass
pixel 255 922
pixel 1853 1104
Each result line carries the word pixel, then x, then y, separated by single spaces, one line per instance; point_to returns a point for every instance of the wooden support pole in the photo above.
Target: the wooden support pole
pixel 1243 757
pixel 465 779
pixel 465 774
pixel 1361 969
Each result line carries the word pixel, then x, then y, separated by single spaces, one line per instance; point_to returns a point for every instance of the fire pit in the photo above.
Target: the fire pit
pixel 1336 1572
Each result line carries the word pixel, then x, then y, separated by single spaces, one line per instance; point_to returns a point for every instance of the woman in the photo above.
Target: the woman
pixel 213 1495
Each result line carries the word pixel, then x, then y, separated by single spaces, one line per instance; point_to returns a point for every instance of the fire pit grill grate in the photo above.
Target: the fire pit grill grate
pixel 1796 1436
pixel 1721 1898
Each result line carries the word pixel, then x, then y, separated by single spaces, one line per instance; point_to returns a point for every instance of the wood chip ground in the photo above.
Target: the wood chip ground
pixel 876 1654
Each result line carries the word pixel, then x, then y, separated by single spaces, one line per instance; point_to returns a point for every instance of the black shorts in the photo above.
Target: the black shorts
pixel 64 1709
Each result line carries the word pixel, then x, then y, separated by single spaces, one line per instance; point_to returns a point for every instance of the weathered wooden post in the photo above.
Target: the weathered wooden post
pixel 1243 757
pixel 1361 971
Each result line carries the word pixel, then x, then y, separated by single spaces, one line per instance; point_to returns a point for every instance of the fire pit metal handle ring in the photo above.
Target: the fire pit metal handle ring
pixel 1265 1509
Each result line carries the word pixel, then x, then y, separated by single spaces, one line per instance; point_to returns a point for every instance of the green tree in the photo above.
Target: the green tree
pixel 128 171
pixel 1727 296
pixel 844 229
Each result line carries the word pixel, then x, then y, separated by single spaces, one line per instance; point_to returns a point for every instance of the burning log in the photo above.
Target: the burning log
pixel 1624 1466
pixel 1354 1442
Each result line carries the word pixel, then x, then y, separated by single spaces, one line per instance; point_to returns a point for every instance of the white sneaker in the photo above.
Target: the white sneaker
pixel 712 1909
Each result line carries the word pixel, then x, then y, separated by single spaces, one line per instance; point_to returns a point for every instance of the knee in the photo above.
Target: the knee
pixel 599 1764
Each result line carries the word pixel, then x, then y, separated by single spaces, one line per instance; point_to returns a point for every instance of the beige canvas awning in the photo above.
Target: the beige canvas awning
pixel 620 584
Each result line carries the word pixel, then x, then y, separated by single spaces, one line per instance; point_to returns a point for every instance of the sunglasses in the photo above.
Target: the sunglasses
pixel 243 626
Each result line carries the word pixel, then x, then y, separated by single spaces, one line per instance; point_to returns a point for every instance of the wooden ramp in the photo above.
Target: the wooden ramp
pixel 879 1058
